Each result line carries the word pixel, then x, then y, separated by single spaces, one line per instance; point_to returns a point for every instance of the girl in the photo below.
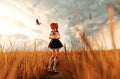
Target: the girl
pixel 55 45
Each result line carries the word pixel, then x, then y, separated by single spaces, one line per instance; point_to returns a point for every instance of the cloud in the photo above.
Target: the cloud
pixel 103 38
pixel 22 33
pixel 18 26
pixel 61 10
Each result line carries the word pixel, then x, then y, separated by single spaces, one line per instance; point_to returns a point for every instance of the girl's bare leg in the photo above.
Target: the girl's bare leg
pixel 55 59
pixel 51 60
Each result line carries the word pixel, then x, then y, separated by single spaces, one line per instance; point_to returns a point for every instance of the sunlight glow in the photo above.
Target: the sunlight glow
pixel 6 28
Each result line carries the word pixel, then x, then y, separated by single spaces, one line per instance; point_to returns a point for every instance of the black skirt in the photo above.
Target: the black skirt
pixel 55 44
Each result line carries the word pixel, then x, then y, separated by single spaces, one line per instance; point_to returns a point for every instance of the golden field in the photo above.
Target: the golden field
pixel 74 64
pixel 102 64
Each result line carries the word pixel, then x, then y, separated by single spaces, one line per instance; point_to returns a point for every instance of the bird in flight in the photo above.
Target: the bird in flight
pixel 37 22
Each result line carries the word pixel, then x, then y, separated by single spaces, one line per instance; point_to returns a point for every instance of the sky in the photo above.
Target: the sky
pixel 18 20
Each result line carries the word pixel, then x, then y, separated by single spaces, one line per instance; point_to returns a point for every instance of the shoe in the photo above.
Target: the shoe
pixel 55 71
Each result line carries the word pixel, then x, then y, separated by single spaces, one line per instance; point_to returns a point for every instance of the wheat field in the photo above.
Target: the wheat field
pixel 74 64
pixel 87 64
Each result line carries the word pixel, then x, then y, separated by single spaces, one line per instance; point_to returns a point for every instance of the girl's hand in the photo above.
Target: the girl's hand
pixel 57 35
pixel 54 35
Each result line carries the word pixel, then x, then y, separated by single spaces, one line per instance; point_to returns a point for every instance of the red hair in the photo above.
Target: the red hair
pixel 54 26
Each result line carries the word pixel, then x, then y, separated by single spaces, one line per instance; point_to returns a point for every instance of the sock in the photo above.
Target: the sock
pixel 55 63
pixel 50 62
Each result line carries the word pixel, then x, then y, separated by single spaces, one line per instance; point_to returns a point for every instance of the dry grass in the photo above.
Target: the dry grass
pixel 21 65
pixel 72 65
pixel 94 65
pixel 84 64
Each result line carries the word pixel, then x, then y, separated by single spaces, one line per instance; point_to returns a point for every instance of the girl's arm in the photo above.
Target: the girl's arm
pixel 52 36
pixel 57 35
